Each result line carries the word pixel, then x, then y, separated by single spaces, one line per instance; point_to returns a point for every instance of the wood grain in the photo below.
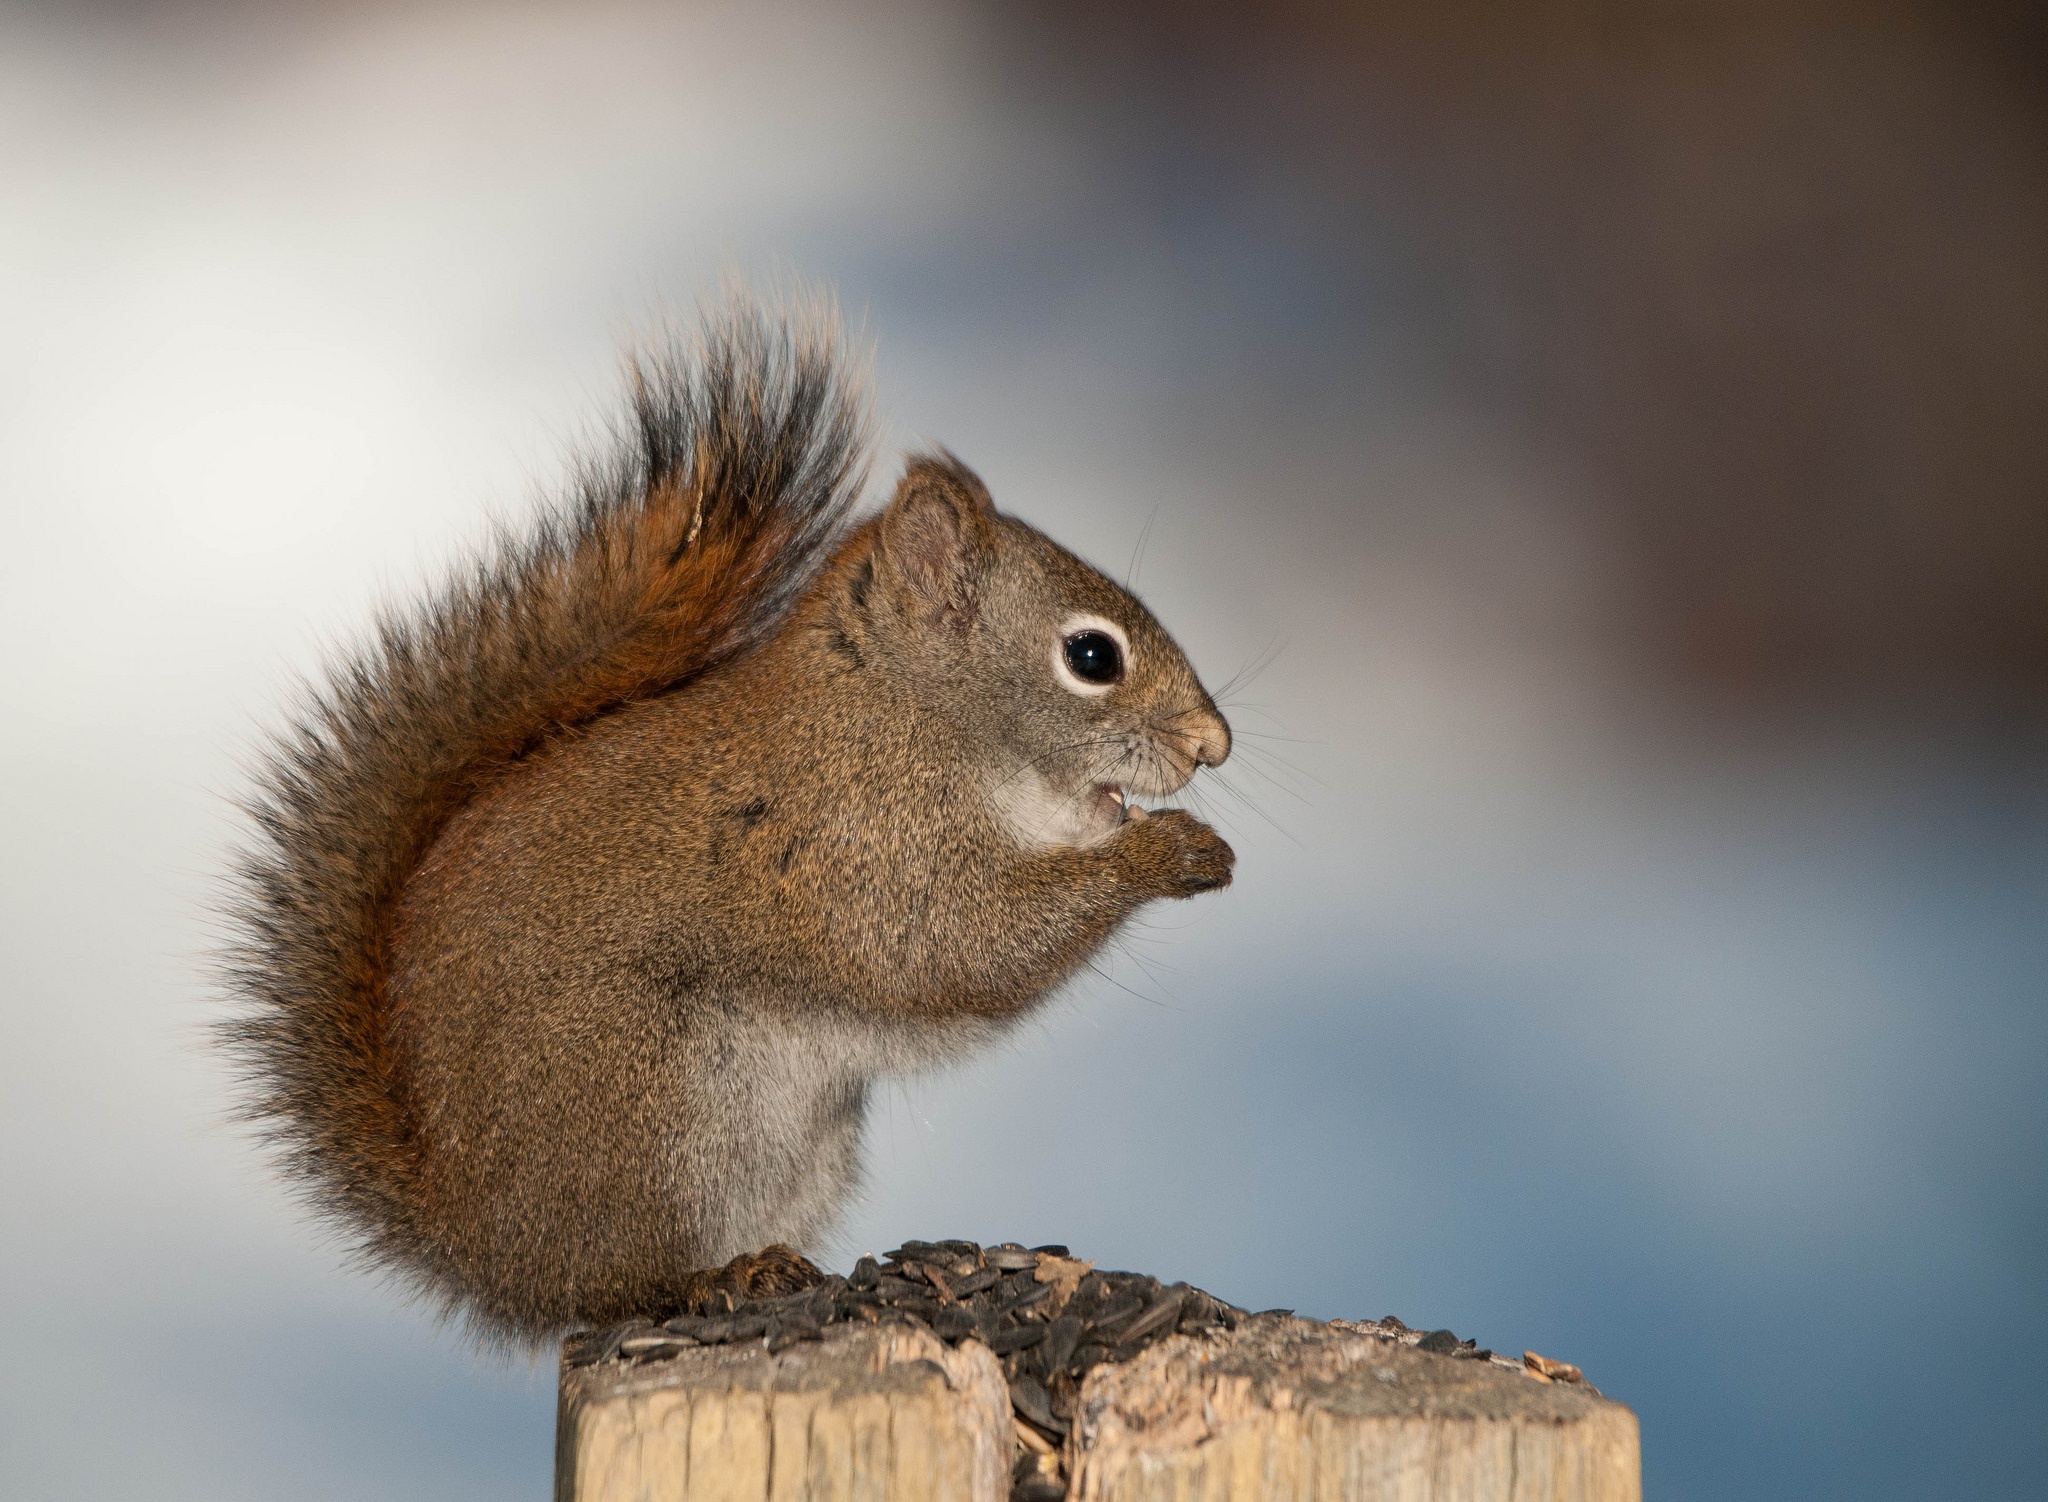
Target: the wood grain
pixel 1279 1408
pixel 1294 1409
pixel 864 1415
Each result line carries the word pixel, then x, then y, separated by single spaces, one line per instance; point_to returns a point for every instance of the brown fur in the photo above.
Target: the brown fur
pixel 592 899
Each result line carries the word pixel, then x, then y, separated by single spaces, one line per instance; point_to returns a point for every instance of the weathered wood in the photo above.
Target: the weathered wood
pixel 1289 1408
pixel 888 1412
pixel 1279 1408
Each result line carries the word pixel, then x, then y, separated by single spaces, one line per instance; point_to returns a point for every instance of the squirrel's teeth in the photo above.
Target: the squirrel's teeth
pixel 1117 794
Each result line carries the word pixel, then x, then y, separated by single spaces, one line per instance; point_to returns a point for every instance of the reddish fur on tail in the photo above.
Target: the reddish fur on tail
pixel 677 553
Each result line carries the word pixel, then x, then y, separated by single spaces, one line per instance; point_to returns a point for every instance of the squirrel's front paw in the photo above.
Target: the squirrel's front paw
pixel 1174 854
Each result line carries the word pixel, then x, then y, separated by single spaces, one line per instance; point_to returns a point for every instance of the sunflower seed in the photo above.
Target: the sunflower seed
pixel 954 1323
pixel 1033 1295
pixel 1158 1316
pixel 1029 1397
pixel 1115 1313
pixel 633 1345
pixel 1015 1338
pixel 786 1333
pixel 975 1282
pixel 1061 1337
pixel 1010 1259
pixel 657 1350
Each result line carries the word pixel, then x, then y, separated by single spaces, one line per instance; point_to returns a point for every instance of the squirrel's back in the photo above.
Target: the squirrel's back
pixel 677 553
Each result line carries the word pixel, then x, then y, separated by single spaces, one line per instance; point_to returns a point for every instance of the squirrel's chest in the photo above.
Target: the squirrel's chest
pixel 796 1061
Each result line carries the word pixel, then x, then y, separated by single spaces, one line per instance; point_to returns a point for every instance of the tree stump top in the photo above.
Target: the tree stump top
pixel 871 1411
pixel 1346 1368
pixel 1026 1375
pixel 1292 1408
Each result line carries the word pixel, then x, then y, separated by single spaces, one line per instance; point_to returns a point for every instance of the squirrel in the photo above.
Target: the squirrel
pixel 589 899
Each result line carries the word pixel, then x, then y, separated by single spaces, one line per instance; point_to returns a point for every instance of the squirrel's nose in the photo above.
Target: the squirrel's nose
pixel 1209 734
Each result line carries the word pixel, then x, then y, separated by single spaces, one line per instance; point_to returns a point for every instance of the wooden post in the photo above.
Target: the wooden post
pixel 1289 1408
pixel 1279 1408
pixel 883 1412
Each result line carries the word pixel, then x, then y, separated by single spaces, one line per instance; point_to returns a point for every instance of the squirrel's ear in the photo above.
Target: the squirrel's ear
pixel 935 537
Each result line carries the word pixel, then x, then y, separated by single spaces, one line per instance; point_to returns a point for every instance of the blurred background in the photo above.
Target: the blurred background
pixel 1604 447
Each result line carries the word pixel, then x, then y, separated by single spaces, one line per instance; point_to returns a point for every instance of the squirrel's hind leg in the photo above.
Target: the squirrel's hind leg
pixel 769 1273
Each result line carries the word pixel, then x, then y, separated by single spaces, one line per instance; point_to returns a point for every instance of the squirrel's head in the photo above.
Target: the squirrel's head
pixel 1082 699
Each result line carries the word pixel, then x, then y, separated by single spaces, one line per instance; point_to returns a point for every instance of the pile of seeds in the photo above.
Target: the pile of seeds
pixel 1048 1316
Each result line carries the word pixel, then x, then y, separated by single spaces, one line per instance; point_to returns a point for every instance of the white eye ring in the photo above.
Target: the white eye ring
pixel 1073 626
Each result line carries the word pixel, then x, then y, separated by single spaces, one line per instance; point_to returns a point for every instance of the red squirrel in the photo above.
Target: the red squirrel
pixel 588 899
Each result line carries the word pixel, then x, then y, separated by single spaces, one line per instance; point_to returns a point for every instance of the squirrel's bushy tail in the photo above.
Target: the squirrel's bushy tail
pixel 679 551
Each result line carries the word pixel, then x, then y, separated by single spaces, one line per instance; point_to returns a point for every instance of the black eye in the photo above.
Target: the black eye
pixel 1095 657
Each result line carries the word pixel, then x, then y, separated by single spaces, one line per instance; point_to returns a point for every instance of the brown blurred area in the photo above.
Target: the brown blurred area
pixel 1769 279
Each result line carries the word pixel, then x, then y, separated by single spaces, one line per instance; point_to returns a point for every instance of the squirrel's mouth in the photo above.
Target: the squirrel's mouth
pixel 1115 803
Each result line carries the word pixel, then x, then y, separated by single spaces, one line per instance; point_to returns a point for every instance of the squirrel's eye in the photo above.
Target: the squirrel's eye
pixel 1095 657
